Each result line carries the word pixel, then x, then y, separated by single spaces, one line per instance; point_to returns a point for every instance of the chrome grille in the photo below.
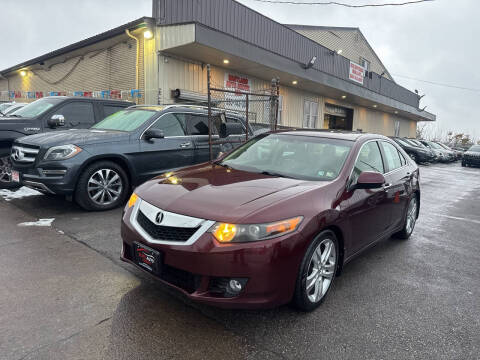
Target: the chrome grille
pixel 24 154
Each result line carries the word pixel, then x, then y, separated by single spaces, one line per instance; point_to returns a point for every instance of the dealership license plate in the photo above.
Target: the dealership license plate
pixel 147 258
pixel 15 176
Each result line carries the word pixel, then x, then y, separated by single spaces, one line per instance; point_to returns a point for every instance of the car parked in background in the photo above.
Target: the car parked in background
pixel 4 106
pixel 440 152
pixel 416 153
pixel 14 107
pixel 452 156
pixel 99 167
pixel 275 220
pixel 472 156
pixel 46 115
pixel 457 155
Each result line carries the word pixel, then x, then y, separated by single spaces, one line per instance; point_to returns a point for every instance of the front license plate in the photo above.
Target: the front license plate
pixel 148 258
pixel 15 176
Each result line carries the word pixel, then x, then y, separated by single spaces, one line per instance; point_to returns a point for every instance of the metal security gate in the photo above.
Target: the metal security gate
pixel 258 108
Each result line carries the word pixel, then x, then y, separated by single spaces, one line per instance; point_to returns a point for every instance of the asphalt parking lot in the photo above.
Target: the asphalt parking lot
pixel 65 294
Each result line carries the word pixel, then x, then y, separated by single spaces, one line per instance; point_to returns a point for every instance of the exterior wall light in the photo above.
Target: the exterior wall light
pixel 23 73
pixel 344 97
pixel 226 61
pixel 375 105
pixel 396 112
pixel 294 82
pixel 147 34
pixel 339 51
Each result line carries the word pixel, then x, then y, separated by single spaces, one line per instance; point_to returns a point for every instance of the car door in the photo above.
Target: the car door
pixel 197 128
pixel 77 114
pixel 174 151
pixel 367 209
pixel 398 182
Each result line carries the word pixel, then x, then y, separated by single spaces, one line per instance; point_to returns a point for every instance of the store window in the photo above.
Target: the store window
pixel 365 64
pixel 310 114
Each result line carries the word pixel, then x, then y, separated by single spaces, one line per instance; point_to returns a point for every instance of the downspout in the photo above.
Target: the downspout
pixel 137 58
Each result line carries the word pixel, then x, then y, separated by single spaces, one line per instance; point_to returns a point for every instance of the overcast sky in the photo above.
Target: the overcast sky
pixel 435 41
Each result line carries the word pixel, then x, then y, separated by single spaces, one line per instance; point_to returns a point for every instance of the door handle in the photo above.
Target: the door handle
pixel 185 144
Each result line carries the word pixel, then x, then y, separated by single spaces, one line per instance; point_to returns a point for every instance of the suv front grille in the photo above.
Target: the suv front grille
pixel 24 154
pixel 165 233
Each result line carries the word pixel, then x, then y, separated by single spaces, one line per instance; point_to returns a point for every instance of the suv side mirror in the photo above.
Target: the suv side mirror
pixel 370 180
pixel 153 134
pixel 56 121
pixel 227 129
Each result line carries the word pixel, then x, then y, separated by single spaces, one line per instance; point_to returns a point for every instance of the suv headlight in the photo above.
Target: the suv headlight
pixel 226 233
pixel 62 152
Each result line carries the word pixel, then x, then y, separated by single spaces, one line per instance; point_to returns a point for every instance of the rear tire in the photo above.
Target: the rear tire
pixel 6 174
pixel 317 272
pixel 410 219
pixel 104 185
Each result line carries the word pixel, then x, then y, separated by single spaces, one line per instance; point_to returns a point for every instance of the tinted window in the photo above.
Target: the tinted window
pixel 77 114
pixel 197 124
pixel 170 125
pixel 111 109
pixel 369 159
pixel 392 156
pixel 300 157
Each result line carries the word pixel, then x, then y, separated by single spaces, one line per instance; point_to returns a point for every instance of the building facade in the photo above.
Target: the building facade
pixel 147 60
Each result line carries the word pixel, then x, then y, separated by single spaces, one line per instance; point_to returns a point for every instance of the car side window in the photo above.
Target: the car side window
pixel 111 109
pixel 197 124
pixel 369 159
pixel 403 161
pixel 170 125
pixel 392 156
pixel 77 114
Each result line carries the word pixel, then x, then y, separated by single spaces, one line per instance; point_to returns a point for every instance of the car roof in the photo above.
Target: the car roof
pixel 187 107
pixel 332 134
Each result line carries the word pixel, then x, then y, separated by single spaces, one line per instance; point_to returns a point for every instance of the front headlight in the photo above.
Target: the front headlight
pixel 62 152
pixel 226 233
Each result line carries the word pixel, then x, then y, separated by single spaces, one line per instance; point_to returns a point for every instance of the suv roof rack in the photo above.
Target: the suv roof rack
pixel 191 106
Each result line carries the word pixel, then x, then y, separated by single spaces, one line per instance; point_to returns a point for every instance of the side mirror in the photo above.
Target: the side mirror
pixel 370 180
pixel 227 129
pixel 153 134
pixel 56 121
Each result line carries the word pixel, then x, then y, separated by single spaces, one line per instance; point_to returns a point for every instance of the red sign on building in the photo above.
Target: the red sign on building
pixel 357 73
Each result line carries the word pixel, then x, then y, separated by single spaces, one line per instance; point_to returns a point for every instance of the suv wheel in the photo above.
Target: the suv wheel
pixel 6 174
pixel 102 186
pixel 317 272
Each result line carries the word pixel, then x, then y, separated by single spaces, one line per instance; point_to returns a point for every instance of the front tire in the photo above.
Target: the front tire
pixel 6 174
pixel 410 219
pixel 317 272
pixel 102 186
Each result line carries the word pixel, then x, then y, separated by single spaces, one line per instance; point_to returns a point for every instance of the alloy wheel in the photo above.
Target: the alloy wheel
pixel 321 270
pixel 411 215
pixel 104 187
pixel 5 170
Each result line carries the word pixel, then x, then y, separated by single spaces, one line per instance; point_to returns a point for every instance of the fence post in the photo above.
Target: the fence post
pixel 273 105
pixel 209 99
pixel 246 117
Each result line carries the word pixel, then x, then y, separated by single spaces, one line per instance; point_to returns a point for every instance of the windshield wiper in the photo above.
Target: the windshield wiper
pixel 15 115
pixel 272 173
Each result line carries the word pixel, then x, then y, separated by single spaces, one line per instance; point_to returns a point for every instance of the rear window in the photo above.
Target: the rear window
pixel 125 120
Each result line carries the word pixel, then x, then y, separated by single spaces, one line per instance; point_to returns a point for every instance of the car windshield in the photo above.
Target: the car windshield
pixel 475 148
pixel 294 156
pixel 13 108
pixel 4 107
pixel 414 142
pixel 37 108
pixel 125 120
pixel 402 142
pixel 436 146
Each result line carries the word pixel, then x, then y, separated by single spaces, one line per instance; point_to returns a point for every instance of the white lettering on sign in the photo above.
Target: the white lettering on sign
pixel 357 72
pixel 240 84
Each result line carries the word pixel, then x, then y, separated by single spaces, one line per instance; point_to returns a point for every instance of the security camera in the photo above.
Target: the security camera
pixel 311 63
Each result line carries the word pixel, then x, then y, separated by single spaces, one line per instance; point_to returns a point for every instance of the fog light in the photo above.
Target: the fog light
pixel 235 286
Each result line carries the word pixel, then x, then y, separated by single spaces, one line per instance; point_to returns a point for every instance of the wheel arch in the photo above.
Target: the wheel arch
pixel 341 244
pixel 119 160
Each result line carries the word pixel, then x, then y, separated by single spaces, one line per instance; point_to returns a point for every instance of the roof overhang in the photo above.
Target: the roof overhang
pixel 93 43
pixel 203 44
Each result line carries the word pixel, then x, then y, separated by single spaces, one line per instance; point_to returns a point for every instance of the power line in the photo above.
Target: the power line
pixel 438 84
pixel 342 4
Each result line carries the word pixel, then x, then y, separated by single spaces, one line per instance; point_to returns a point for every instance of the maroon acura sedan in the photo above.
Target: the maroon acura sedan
pixel 275 220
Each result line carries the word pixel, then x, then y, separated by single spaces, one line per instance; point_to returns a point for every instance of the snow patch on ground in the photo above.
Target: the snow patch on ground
pixel 40 222
pixel 21 193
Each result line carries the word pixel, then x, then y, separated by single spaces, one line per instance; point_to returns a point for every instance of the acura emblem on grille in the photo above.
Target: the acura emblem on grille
pixel 159 218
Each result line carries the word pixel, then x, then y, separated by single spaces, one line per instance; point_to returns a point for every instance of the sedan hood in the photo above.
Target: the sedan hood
pixel 216 193
pixel 77 137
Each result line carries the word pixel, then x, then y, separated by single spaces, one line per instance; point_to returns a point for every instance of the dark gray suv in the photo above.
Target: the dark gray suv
pixel 100 166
